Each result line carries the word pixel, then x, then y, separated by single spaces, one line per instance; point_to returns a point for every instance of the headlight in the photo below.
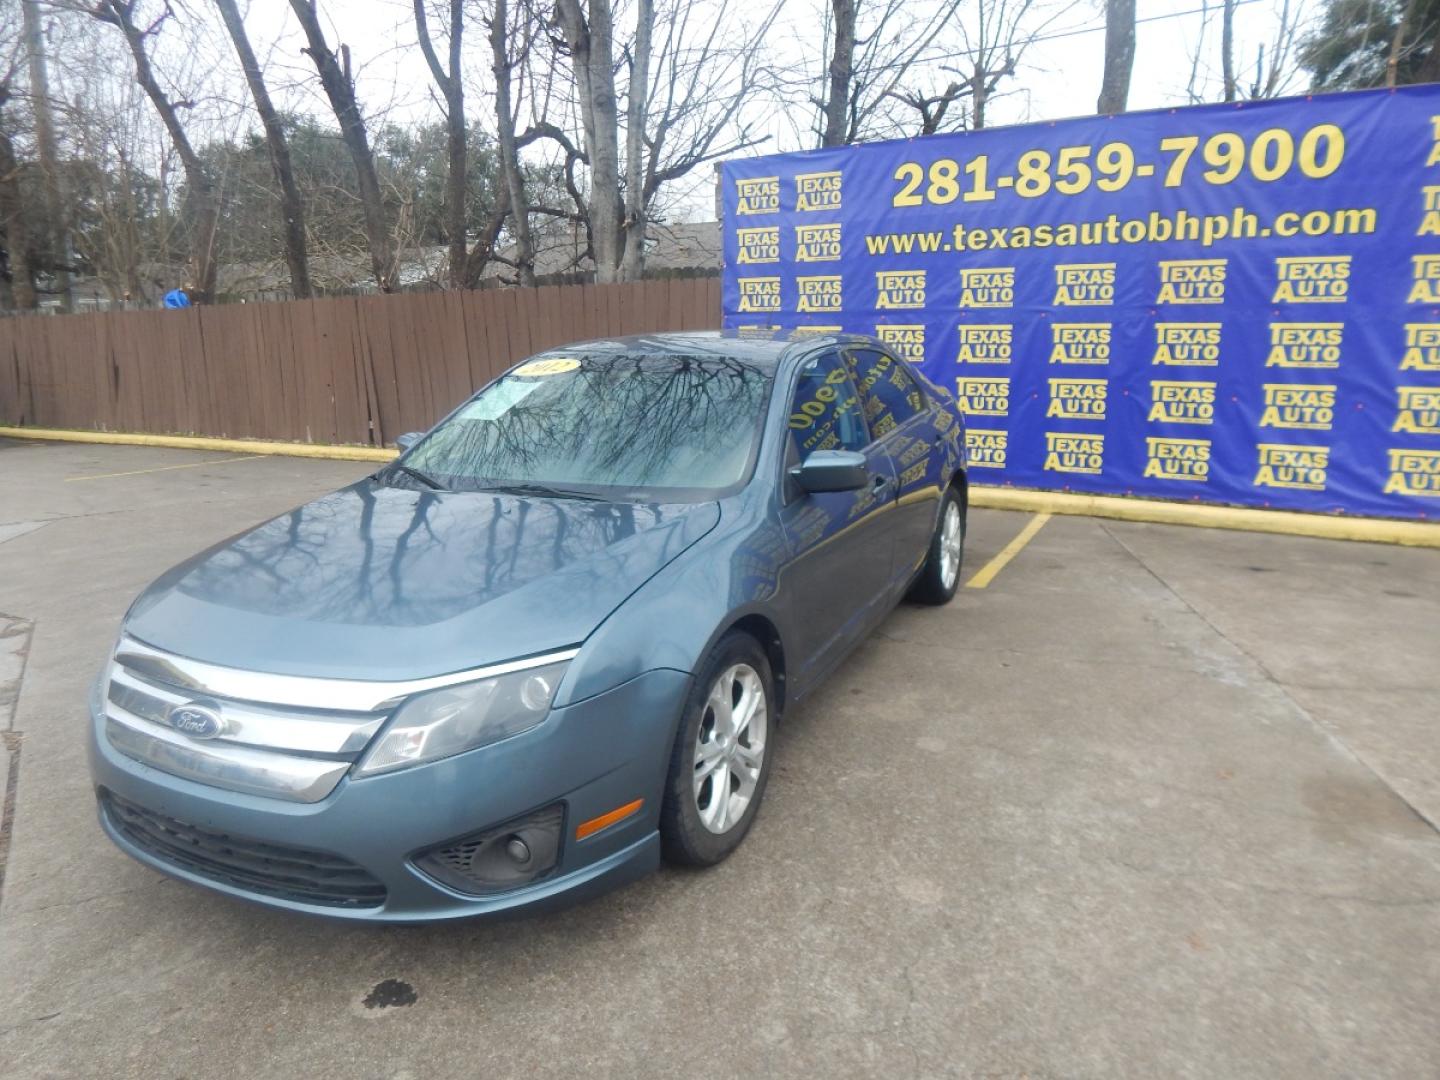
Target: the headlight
pixel 444 722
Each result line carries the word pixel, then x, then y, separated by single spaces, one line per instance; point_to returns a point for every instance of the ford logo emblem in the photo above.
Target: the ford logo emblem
pixel 197 721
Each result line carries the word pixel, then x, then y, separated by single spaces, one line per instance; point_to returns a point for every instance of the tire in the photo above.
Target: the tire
pixel 940 576
pixel 698 825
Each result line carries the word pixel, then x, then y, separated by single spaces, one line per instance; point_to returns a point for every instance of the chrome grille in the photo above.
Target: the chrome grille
pixel 296 753
pixel 290 730
pixel 282 736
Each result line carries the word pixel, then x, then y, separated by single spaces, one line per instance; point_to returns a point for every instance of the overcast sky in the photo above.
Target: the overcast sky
pixel 1059 77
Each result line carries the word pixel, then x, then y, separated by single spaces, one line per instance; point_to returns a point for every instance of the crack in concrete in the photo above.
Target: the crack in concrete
pixel 10 703
pixel 31 1020
pixel 1271 678
pixel 1275 890
pixel 77 902
pixel 152 978
pixel 1106 769
pixel 15 529
pixel 1031 654
pixel 1346 688
pixel 10 697
pixel 7 811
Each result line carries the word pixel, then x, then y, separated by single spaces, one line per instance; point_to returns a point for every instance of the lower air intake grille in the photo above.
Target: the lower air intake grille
pixel 502 857
pixel 309 877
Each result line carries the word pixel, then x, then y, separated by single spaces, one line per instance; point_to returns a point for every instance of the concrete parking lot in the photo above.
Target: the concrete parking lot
pixel 1154 802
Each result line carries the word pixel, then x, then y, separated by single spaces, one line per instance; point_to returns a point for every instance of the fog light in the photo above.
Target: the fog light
pixel 517 850
pixel 504 857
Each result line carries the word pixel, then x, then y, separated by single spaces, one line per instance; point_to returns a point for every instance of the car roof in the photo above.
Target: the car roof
pixel 765 348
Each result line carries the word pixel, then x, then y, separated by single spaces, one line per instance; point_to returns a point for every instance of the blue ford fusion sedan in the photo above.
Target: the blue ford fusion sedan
pixel 548 645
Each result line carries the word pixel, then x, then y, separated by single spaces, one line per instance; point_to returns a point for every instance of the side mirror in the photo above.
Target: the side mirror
pixel 409 439
pixel 831 470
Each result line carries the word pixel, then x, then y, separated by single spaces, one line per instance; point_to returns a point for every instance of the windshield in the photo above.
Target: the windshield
pixel 644 426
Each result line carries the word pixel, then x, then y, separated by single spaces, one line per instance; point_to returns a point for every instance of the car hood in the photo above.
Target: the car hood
pixel 377 582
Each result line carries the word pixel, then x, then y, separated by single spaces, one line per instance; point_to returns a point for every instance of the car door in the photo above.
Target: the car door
pixel 903 426
pixel 836 579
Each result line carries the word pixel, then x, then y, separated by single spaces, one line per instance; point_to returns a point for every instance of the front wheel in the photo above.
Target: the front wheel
pixel 721 758
pixel 940 575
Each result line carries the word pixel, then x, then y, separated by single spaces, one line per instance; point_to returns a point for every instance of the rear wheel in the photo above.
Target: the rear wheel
pixel 940 575
pixel 721 758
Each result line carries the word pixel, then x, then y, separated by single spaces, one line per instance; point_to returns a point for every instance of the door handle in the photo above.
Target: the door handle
pixel 879 482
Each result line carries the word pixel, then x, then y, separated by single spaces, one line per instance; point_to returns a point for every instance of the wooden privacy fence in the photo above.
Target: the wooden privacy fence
pixel 345 370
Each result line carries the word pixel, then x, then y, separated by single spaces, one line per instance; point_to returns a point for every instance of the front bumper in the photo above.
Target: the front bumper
pixel 591 757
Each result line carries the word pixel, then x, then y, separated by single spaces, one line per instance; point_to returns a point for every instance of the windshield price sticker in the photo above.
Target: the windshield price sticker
pixel 552 365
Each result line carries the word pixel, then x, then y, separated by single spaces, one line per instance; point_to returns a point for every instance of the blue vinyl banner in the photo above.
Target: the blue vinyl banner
pixel 1232 303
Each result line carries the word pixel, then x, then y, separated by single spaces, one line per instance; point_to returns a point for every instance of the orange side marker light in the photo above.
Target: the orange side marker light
pixel 604 821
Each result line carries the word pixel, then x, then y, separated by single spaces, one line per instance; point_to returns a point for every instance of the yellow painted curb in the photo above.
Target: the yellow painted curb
pixel 1324 526
pixel 191 442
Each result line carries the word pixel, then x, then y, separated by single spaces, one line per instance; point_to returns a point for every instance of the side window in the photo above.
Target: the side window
pixel 825 412
pixel 888 392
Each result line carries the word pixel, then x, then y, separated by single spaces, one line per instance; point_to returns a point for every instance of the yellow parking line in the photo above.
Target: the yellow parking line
pixel 986 573
pixel 191 442
pixel 164 468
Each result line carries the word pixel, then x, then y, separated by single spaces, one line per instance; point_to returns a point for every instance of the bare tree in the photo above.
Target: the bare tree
pixel 516 201
pixel 700 77
pixel 17 290
pixel 589 39
pixel 1119 56
pixel 839 102
pixel 112 130
pixel 689 77
pixel 292 208
pixel 1197 52
pixel 637 113
pixel 121 14
pixel 872 50
pixel 995 37
pixel 595 152
pixel 1397 44
pixel 452 89
pixel 14 215
pixel 339 85
pixel 1227 48
pixel 55 230
pixel 931 107
pixel 1274 74
pixel 995 41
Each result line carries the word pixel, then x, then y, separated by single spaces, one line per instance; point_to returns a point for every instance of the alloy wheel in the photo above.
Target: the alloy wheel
pixel 730 747
pixel 950 541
